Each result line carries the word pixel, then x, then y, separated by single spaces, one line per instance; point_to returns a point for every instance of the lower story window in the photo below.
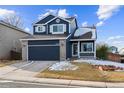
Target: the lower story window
pixel 86 47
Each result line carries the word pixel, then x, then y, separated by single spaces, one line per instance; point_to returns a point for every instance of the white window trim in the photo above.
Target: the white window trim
pixel 36 28
pixel 73 49
pixel 86 51
pixel 51 29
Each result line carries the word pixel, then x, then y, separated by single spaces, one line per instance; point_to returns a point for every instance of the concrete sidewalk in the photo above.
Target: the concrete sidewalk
pixel 66 82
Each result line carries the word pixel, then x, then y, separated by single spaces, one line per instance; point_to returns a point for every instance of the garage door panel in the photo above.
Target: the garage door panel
pixel 43 53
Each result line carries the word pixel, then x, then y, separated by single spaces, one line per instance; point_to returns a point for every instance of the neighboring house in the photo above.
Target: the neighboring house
pixel 113 49
pixel 57 38
pixel 121 52
pixel 9 39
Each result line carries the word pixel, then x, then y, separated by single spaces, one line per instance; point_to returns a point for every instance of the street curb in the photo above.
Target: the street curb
pixel 61 82
pixel 77 83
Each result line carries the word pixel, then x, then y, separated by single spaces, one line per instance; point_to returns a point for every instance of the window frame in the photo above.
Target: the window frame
pixel 37 28
pixel 73 49
pixel 63 25
pixel 82 43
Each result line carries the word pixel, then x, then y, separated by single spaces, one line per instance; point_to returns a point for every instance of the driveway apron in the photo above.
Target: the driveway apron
pixel 24 69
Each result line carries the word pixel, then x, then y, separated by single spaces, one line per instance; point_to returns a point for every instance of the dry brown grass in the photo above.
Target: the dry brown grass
pixel 84 72
pixel 113 76
pixel 6 62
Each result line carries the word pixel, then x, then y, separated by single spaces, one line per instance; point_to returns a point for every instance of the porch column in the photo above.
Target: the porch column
pixel 78 49
pixel 95 49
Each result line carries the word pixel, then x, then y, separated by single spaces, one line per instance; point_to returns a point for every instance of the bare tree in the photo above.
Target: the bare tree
pixel 14 20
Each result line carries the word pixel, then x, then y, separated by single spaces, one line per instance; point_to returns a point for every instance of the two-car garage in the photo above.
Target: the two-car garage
pixel 43 50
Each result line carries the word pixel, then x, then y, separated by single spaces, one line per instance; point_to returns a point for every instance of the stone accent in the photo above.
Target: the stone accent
pixel 62 50
pixel 24 50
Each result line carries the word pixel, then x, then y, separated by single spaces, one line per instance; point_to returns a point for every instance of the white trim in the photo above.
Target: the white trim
pixel 38 24
pixel 86 51
pixel 68 36
pixel 78 49
pixel 42 45
pixel 95 49
pixel 64 28
pixel 27 51
pixel 73 49
pixel 43 18
pixel 69 28
pixel 82 39
pixel 43 38
pixel 55 18
pixel 43 28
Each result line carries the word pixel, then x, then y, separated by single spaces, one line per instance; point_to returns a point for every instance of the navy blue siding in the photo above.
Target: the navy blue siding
pixel 40 33
pixel 89 42
pixel 83 54
pixel 86 54
pixel 47 26
pixel 61 22
pixel 68 49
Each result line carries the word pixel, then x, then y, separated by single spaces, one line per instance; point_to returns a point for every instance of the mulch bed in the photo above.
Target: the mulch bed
pixel 107 67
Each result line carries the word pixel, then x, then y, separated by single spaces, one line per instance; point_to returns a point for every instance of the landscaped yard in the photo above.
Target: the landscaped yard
pixel 6 62
pixel 86 72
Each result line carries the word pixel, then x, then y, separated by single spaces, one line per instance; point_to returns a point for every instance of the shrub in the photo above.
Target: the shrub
pixel 101 51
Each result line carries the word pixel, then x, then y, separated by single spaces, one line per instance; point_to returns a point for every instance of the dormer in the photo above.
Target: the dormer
pixel 52 24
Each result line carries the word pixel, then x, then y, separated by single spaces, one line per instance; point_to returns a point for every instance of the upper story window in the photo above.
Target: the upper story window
pixel 58 28
pixel 40 29
pixel 86 47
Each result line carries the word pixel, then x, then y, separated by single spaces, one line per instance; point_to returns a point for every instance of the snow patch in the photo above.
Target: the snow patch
pixel 102 62
pixel 63 66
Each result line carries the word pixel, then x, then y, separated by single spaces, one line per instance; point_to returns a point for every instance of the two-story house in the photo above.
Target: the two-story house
pixel 57 38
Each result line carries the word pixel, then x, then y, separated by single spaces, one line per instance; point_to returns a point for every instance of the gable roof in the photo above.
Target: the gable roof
pixel 44 37
pixel 70 18
pixel 45 19
pixel 13 27
pixel 50 17
pixel 85 33
pixel 121 52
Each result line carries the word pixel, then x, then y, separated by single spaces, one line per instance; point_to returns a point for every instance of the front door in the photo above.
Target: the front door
pixel 74 49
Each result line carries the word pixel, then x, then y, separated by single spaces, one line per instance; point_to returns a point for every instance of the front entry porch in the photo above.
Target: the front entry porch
pixel 84 49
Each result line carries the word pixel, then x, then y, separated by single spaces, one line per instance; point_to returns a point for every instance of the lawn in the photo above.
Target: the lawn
pixel 113 76
pixel 6 62
pixel 84 72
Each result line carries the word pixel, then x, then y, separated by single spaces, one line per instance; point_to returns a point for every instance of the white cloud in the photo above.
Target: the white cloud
pixel 27 29
pixel 47 12
pixel 100 23
pixel 84 24
pixel 116 41
pixel 62 13
pixel 75 15
pixel 5 12
pixel 106 11
pixel 115 37
pixel 58 12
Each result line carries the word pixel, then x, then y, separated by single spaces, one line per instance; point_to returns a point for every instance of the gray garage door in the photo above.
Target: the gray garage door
pixel 43 52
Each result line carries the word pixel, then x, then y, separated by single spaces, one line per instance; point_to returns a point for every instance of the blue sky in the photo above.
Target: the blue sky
pixel 108 19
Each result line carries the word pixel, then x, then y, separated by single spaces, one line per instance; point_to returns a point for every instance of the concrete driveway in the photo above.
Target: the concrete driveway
pixel 24 69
